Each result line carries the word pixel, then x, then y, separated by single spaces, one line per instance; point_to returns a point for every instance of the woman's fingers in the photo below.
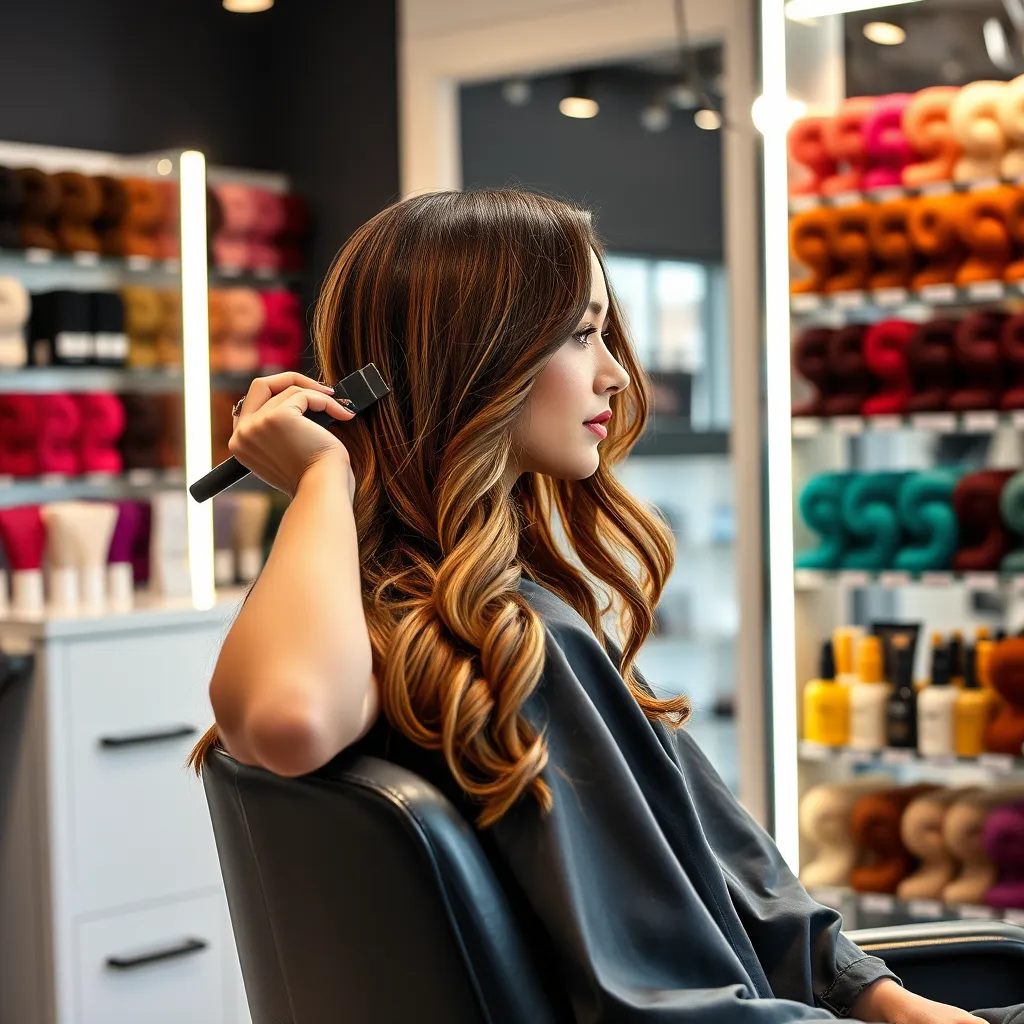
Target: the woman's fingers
pixel 303 398
pixel 263 389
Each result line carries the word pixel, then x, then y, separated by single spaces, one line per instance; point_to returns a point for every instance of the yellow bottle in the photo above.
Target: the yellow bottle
pixel 975 703
pixel 843 639
pixel 827 704
pixel 869 697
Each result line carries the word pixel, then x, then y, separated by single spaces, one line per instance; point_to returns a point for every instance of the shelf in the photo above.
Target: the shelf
pixel 889 300
pixel 996 766
pixel 148 610
pixel 76 379
pixel 815 579
pixel 896 911
pixel 982 421
pixel 799 203
pixel 89 260
pixel 134 484
pixel 227 277
pixel 51 379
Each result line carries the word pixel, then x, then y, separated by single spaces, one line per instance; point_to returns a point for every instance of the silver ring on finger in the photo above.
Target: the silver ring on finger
pixel 236 409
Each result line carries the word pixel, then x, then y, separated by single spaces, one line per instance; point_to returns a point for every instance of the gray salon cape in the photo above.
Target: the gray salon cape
pixel 648 893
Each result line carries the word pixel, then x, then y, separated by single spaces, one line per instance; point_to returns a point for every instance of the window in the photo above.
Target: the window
pixel 676 314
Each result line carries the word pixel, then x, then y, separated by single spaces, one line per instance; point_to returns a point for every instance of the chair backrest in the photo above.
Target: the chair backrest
pixel 364 896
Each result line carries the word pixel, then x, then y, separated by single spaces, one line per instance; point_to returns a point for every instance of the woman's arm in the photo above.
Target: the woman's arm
pixel 294 681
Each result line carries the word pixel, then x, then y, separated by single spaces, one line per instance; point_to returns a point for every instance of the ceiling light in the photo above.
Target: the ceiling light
pixel 884 33
pixel 707 119
pixel 798 10
pixel 655 117
pixel 682 96
pixel 578 102
pixel 578 106
pixel 247 6
pixel 996 46
pixel 516 92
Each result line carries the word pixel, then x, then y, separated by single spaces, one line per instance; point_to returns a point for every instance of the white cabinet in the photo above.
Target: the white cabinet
pixel 112 908
pixel 161 966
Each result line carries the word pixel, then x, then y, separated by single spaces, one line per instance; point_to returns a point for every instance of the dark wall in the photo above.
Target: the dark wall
pixel 331 118
pixel 127 76
pixel 307 88
pixel 655 193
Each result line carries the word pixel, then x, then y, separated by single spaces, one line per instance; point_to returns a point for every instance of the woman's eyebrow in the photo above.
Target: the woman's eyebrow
pixel 595 307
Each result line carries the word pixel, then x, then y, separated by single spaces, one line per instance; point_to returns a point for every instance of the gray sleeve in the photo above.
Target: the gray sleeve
pixel 797 940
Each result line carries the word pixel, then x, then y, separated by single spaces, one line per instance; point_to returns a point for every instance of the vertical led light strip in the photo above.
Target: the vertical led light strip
pixel 780 471
pixel 195 327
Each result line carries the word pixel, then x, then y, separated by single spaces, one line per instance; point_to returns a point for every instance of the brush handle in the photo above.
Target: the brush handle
pixel 362 388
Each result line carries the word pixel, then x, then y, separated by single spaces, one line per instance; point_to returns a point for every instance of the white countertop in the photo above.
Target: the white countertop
pixel 149 612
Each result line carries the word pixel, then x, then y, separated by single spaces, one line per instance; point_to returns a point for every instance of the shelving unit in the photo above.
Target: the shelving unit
pixel 806 605
pixel 982 421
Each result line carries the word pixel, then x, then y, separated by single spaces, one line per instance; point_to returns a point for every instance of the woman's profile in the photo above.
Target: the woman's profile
pixel 416 604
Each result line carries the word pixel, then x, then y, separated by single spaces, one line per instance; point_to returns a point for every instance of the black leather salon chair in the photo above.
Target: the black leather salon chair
pixel 359 895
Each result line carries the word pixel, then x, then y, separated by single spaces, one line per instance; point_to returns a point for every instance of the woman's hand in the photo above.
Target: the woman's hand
pixel 885 1000
pixel 273 438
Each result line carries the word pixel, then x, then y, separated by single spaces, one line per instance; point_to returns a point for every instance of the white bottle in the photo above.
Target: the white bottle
pixel 868 697
pixel 936 710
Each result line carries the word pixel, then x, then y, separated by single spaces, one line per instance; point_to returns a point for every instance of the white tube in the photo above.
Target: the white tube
pixel 27 592
pixel 120 586
pixel 98 519
pixel 63 589
pixel 169 545
pixel 61 554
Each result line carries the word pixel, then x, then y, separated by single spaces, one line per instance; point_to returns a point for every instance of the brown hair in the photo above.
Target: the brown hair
pixel 459 298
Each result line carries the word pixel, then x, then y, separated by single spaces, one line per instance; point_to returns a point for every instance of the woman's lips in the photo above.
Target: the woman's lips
pixel 596 428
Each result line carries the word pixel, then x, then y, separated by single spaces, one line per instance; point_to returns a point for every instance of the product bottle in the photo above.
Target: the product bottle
pixel 956 658
pixel 901 708
pixel 827 704
pixel 843 640
pixel 935 709
pixel 975 703
pixel 868 697
pixel 938 640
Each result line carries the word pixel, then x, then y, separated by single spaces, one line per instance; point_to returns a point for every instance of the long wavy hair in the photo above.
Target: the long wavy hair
pixel 459 299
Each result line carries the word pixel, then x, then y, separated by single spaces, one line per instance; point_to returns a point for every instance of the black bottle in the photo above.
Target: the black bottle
pixel 901 709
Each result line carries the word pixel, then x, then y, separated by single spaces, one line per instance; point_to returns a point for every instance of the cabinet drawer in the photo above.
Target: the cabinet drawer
pixel 139 824
pixel 158 966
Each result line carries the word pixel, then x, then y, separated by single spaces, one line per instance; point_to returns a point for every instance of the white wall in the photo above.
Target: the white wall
pixel 443 43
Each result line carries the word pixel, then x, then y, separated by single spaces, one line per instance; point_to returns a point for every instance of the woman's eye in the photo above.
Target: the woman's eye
pixel 583 337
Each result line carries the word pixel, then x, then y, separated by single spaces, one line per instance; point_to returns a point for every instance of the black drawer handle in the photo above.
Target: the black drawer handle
pixel 175 733
pixel 129 963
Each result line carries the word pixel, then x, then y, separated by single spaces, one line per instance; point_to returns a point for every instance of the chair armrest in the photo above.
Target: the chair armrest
pixel 970 964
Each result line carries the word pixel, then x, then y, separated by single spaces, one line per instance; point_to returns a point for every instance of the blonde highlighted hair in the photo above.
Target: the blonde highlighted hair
pixel 459 298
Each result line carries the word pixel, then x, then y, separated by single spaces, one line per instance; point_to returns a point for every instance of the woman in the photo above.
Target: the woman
pixel 415 573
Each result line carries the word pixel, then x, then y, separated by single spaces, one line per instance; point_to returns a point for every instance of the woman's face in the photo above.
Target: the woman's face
pixel 575 385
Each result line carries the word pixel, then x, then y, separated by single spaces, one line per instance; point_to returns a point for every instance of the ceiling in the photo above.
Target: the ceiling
pixel 944 46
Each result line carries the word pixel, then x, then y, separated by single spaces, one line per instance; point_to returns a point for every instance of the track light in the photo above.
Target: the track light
pixel 516 92
pixel 884 33
pixel 708 119
pixel 578 102
pixel 655 117
pixel 247 6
